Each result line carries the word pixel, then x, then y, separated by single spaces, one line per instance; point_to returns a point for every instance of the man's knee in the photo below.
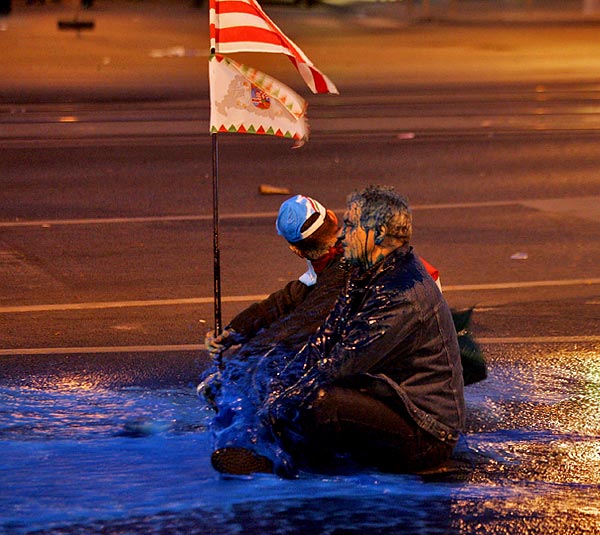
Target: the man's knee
pixel 325 407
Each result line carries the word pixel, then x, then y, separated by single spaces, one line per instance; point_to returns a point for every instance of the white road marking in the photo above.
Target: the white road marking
pixel 201 347
pixel 100 305
pixel 538 339
pixel 125 220
pixel 102 349
pixel 581 206
pixel 209 217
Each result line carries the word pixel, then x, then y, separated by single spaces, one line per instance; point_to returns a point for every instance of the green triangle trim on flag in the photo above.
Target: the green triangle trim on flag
pixel 251 129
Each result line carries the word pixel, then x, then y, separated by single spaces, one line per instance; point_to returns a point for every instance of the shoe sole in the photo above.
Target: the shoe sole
pixel 240 462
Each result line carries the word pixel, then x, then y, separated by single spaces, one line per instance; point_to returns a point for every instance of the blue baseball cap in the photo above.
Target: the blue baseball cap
pixel 294 212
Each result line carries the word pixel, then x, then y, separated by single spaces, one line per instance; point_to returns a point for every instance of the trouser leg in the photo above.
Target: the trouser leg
pixel 344 421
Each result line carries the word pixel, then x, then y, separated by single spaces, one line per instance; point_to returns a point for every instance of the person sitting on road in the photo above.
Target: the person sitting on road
pixel 312 232
pixel 292 313
pixel 380 381
pixel 272 330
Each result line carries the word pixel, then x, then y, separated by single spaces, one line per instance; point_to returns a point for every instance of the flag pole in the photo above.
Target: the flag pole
pixel 216 250
pixel 215 183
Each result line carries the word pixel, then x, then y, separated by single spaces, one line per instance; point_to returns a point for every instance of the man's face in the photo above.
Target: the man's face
pixel 357 241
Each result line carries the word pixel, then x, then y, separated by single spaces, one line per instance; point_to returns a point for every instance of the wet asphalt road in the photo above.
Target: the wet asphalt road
pixel 107 241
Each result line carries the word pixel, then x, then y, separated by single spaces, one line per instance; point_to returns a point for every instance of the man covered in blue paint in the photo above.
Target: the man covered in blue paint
pixel 380 382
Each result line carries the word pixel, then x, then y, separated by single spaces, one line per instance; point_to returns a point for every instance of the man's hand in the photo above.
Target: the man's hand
pixel 216 344
pixel 209 388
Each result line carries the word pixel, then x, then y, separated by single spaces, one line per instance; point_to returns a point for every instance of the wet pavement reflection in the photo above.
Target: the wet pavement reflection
pixel 534 429
pixel 137 455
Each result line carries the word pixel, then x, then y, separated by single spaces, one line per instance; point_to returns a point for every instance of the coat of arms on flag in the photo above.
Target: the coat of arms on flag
pixel 245 100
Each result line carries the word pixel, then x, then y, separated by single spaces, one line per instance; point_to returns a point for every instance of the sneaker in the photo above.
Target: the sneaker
pixel 240 462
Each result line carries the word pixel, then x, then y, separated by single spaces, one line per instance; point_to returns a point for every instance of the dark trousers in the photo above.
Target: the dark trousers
pixel 347 425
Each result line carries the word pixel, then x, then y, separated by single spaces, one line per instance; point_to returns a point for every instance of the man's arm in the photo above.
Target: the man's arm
pixel 258 316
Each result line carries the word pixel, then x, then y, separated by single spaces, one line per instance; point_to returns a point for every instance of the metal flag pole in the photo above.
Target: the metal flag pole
pixel 216 251
pixel 215 181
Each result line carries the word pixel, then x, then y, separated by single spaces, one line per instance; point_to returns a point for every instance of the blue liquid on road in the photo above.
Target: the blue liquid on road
pixel 76 457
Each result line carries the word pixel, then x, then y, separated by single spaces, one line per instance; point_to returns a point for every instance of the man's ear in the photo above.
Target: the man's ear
pixel 295 250
pixel 380 233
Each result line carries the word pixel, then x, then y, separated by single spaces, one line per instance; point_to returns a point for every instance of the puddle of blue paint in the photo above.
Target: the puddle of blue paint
pixel 79 458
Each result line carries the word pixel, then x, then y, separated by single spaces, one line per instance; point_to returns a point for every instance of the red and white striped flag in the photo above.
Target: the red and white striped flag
pixel 243 26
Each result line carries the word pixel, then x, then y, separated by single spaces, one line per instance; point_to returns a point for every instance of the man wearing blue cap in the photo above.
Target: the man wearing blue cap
pixel 271 331
pixel 312 233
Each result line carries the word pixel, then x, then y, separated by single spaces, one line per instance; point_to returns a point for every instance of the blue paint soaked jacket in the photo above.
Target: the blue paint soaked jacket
pixel 391 334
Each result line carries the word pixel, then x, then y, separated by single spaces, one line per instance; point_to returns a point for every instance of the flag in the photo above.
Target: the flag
pixel 243 26
pixel 247 101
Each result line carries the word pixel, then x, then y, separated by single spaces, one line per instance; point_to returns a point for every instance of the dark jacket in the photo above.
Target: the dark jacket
pixel 288 317
pixel 390 333
pixel 264 313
